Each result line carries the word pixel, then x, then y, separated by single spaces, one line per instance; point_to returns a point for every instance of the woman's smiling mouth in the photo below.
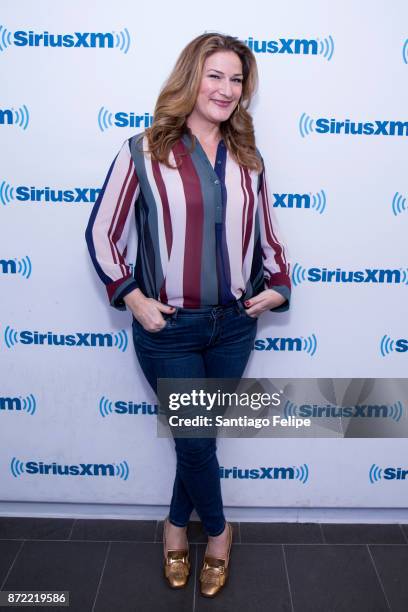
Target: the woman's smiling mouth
pixel 221 103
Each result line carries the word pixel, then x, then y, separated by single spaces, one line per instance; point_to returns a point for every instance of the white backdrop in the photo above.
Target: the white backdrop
pixel 70 405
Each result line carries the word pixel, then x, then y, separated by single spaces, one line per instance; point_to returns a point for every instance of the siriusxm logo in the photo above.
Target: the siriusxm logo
pixel 21 266
pixel 84 40
pixel 315 201
pixel 376 473
pixel 398 204
pixel 307 125
pixel 384 411
pixel 307 345
pixel 117 340
pixel 398 276
pixel 23 193
pixel 388 345
pixel 293 46
pixel 19 117
pixel 18 468
pixel 271 473
pixel 106 119
pixel 405 51
pixel 18 404
pixel 107 407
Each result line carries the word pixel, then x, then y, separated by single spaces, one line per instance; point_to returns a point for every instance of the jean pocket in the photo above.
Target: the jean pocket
pixel 167 323
pixel 244 313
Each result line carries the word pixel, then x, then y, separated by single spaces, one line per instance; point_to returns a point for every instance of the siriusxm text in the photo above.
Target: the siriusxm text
pixel 75 339
pixel 278 344
pixel 368 275
pixel 23 38
pixel 274 473
pixel 398 473
pixel 372 128
pixel 81 469
pixel 363 411
pixel 291 46
pixel 46 194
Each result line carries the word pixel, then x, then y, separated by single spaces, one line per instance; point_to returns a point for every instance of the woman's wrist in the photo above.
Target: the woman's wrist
pixel 133 298
pixel 277 299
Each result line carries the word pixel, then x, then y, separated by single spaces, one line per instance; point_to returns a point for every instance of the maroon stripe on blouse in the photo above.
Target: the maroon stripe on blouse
pixel 250 216
pixel 268 228
pixel 163 293
pixel 194 227
pixel 122 214
pixel 243 212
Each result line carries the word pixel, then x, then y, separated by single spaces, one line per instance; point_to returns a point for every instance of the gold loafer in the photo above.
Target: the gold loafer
pixel 176 564
pixel 214 572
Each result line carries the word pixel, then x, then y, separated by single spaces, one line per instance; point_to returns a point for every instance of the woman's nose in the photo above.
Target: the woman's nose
pixel 226 89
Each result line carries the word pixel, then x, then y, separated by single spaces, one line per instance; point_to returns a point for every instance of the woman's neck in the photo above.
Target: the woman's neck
pixel 206 132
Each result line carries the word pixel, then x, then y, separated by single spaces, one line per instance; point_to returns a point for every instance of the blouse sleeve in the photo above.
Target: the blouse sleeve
pixel 274 252
pixel 108 227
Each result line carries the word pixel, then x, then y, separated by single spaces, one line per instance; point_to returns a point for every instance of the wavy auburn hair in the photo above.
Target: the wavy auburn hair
pixel 179 93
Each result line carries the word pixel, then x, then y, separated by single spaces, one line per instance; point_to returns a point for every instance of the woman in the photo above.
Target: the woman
pixel 208 262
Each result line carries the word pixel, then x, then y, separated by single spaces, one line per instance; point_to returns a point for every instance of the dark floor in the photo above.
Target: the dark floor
pixel 115 565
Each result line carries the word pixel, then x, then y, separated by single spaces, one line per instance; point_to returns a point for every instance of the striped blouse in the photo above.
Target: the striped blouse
pixel 205 235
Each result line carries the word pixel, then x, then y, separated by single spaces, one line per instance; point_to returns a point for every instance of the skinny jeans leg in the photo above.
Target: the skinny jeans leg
pixel 211 342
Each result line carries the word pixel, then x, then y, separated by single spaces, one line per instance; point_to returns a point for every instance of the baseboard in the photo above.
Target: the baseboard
pixel 263 515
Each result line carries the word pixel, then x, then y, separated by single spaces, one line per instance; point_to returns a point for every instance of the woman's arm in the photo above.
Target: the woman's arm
pixel 109 224
pixel 274 253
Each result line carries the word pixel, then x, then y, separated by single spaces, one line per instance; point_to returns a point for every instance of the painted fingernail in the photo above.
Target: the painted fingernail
pixel 247 303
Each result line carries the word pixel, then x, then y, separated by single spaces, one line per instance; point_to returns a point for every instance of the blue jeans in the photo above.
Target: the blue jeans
pixel 210 342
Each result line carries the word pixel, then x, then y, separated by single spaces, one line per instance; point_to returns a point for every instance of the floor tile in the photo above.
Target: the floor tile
pixel 281 533
pixel 257 581
pixel 404 528
pixel 392 566
pixel 133 580
pixel 62 566
pixel 362 534
pixel 22 528
pixel 8 552
pixel 337 578
pixel 113 529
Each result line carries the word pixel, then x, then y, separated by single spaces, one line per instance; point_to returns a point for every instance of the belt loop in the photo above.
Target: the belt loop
pixel 175 313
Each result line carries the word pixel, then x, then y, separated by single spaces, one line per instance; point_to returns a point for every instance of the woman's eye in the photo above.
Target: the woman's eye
pixel 217 76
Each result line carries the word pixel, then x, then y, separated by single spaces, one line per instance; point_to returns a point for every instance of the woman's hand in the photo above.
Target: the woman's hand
pixel 267 299
pixel 147 310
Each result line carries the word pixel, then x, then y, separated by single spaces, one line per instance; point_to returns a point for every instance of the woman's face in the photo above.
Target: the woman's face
pixel 220 88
